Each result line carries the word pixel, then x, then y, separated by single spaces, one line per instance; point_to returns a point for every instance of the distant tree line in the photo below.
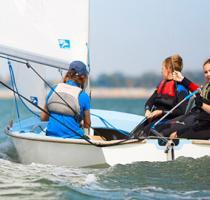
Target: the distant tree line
pixel 146 80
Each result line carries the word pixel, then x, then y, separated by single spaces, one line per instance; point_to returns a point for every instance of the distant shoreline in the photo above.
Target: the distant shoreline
pixel 103 93
pixel 128 93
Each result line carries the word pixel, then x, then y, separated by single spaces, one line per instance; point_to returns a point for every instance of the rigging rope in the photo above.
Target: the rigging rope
pixel 13 86
pixel 16 89
pixel 107 124
pixel 86 138
pixel 169 112
pixel 102 119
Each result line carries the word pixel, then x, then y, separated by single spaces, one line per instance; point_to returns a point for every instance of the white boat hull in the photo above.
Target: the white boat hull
pixel 78 153
pixel 37 148
pixel 56 152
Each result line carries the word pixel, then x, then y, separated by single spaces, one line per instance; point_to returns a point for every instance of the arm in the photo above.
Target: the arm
pixel 177 76
pixel 84 101
pixel 149 105
pixel 87 121
pixel 180 110
pixel 182 92
pixel 150 102
pixel 44 116
pixel 202 104
pixel 189 84
pixel 206 107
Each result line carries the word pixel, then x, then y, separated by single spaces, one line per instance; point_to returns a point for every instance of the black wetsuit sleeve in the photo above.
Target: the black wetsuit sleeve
pixel 189 84
pixel 180 110
pixel 186 82
pixel 150 102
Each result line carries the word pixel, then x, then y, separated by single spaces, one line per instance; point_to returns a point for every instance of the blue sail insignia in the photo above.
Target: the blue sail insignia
pixel 64 43
pixel 34 100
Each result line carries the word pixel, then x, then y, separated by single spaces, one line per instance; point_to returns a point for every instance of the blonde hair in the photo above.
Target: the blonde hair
pixel 174 63
pixel 177 62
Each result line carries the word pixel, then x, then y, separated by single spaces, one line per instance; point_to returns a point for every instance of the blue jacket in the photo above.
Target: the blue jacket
pixel 55 128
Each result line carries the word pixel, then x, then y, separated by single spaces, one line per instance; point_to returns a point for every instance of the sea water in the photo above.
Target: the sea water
pixel 185 178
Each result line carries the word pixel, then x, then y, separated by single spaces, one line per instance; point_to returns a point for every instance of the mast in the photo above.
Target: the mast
pixel 87 86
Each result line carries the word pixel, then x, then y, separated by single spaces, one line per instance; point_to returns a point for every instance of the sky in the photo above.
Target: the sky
pixel 135 36
pixel 127 36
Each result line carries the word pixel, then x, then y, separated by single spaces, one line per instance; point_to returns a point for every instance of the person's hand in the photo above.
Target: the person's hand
pixel 200 90
pixel 156 113
pixel 81 124
pixel 147 113
pixel 198 101
pixel 177 76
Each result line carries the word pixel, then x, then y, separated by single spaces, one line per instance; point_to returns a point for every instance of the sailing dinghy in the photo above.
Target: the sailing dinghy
pixel 51 39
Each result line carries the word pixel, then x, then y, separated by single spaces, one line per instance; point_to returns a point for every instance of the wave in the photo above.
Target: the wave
pixel 184 178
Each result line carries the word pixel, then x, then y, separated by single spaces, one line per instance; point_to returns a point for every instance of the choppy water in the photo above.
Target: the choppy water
pixel 184 178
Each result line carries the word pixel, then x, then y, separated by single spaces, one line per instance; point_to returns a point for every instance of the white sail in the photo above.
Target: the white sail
pixel 45 31
pixel 30 85
pixel 48 27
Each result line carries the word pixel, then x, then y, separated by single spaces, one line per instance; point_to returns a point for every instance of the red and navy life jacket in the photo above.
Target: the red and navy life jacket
pixel 166 94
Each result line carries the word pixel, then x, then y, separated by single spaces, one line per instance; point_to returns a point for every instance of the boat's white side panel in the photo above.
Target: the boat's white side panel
pixel 152 152
pixel 133 153
pixel 55 153
pixel 193 150
pixel 77 153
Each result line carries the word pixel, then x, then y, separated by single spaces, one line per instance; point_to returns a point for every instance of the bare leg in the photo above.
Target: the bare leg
pixel 173 135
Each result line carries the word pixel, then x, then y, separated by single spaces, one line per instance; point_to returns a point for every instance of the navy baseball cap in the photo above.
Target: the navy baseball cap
pixel 79 67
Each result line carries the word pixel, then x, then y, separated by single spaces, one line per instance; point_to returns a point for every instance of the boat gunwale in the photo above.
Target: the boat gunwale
pixel 201 142
pixel 42 138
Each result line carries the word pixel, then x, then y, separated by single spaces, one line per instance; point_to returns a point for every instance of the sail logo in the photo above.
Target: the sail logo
pixel 34 100
pixel 64 43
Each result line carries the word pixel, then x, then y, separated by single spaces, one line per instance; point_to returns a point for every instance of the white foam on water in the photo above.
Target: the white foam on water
pixel 91 178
